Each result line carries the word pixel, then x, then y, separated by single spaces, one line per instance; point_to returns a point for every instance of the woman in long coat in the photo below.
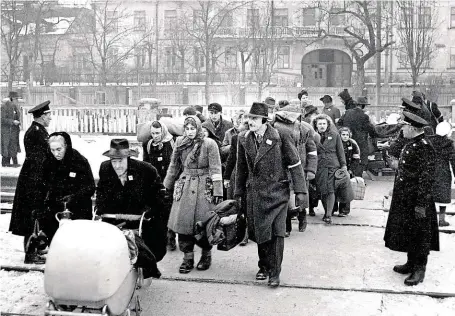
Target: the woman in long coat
pixel 330 159
pixel 196 191
pixel 444 158
pixel 69 182
pixel 10 117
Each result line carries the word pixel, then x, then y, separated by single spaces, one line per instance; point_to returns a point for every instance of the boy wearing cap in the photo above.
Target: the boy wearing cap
pixel 264 157
pixel 333 112
pixel 217 123
pixel 412 225
pixel 10 115
pixel 28 204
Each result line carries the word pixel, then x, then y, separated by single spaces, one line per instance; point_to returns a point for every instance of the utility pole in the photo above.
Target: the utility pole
pixel 386 59
pixel 157 29
pixel 378 54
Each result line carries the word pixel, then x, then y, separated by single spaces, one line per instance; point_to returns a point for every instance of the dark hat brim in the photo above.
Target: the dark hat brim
pixel 120 153
pixel 414 119
pixel 42 107
pixel 409 104
pixel 256 115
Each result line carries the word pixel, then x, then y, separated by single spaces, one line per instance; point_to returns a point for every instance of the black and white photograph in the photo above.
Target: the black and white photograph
pixel 228 158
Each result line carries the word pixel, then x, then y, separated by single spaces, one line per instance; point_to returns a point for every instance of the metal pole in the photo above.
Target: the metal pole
pixel 378 54
pixel 156 45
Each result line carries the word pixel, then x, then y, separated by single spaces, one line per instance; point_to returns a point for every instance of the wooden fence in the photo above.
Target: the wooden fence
pixel 120 119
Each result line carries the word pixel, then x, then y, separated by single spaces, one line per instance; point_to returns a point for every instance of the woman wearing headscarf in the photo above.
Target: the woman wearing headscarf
pixel 158 151
pixel 68 180
pixel 196 191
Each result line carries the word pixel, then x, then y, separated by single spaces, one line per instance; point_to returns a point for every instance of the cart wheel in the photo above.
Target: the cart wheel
pixel 138 308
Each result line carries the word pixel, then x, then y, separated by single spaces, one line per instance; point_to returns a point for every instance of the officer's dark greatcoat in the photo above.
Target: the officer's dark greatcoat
pixel 9 131
pixel 413 187
pixel 30 190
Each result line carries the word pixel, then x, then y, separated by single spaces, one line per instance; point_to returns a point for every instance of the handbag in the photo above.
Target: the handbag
pixel 358 187
pixel 234 233
pixel 37 240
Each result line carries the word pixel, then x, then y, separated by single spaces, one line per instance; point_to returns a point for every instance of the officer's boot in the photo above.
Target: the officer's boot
pixel 311 211
pixel 406 268
pixel 302 220
pixel 188 263
pixel 418 275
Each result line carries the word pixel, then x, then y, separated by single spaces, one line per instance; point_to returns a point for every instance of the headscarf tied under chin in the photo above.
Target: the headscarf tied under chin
pixel 165 137
pixel 196 142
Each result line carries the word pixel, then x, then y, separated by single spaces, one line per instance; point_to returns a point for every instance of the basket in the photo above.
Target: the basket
pixel 358 186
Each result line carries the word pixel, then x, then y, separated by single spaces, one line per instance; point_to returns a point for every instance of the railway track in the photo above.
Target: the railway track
pixel 438 295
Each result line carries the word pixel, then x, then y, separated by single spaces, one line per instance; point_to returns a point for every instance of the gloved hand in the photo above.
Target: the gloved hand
pixel 310 176
pixel 217 200
pixel 299 199
pixel 226 183
pixel 420 212
pixel 228 220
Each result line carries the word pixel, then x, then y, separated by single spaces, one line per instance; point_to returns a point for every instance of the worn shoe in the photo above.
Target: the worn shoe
pixel 403 268
pixel 311 212
pixel 415 278
pixel 34 259
pixel 274 282
pixel 186 266
pixel 171 244
pixel 261 275
pixel 327 220
pixel 204 263
pixel 287 234
pixel 302 225
pixel 443 223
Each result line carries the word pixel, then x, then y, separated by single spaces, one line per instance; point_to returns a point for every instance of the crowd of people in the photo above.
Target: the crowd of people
pixel 277 160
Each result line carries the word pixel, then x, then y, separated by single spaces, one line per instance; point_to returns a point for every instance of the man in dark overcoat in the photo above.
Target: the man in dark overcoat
pixel 130 186
pixel 264 158
pixel 11 121
pixel 412 225
pixel 361 127
pixel 30 194
pixel 216 123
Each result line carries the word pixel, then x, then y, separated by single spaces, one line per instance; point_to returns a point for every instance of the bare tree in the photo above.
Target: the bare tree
pixel 202 25
pixel 417 30
pixel 13 29
pixel 111 38
pixel 357 30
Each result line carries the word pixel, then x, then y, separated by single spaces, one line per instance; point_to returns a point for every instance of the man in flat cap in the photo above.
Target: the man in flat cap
pixel 329 109
pixel 412 225
pixel 11 122
pixel 264 159
pixel 28 204
pixel 130 186
pixel 216 123
pixel 361 127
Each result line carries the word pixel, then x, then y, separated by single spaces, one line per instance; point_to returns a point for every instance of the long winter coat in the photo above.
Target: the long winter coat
pixel 71 176
pixel 30 190
pixel 159 158
pixel 444 158
pixel 140 193
pixel 262 174
pixel 330 158
pixel 192 190
pixel 413 187
pixel 10 132
pixel 360 126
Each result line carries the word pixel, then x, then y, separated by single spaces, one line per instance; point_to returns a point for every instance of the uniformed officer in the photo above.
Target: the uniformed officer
pixel 412 224
pixel 30 192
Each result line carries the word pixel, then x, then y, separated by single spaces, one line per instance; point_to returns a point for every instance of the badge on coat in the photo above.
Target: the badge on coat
pixel 350 147
pixel 160 158
pixel 130 178
pixel 73 174
pixel 329 138
pixel 268 142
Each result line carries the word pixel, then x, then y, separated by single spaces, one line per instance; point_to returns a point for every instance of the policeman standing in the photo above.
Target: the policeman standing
pixel 30 191
pixel 412 225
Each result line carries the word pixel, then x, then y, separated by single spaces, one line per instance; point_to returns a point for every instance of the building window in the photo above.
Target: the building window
pixel 337 19
pixel 112 21
pixel 170 57
pixel 252 18
pixel 283 57
pixel 309 17
pixel 425 17
pixel 170 19
pixel 452 57
pixel 281 17
pixel 79 61
pixel 141 56
pixel 452 17
pixel 112 56
pixel 198 58
pixel 197 18
pixel 140 20
pixel 407 14
pixel 226 20
pixel 230 58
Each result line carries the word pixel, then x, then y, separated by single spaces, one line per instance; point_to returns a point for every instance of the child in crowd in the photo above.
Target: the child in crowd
pixel 352 154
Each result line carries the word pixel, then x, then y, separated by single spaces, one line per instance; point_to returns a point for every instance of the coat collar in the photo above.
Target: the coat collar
pixel 270 139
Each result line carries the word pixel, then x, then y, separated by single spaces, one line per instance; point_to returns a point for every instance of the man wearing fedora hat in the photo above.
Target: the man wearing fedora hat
pixel 28 204
pixel 412 225
pixel 264 159
pixel 361 127
pixel 11 122
pixel 130 186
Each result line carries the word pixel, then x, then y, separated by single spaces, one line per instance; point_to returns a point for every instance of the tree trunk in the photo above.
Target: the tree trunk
pixel 242 56
pixel 11 76
pixel 260 88
pixel 207 73
pixel 360 76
